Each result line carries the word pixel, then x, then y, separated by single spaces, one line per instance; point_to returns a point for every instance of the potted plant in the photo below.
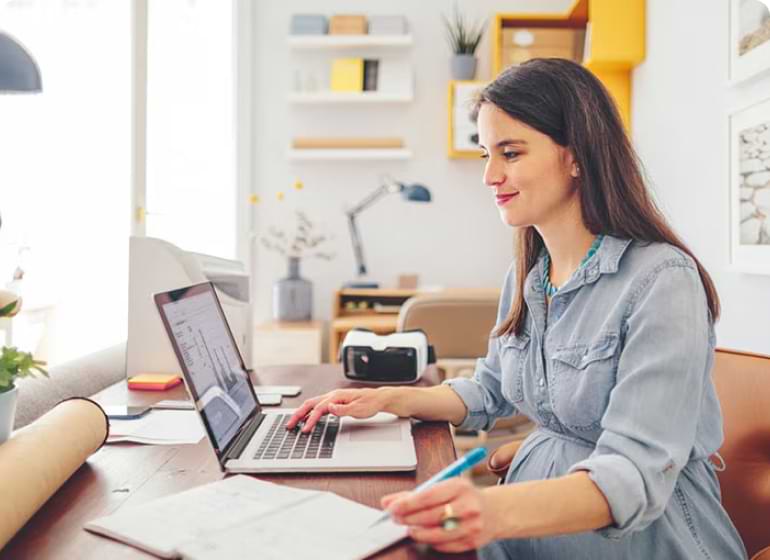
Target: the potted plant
pixel 464 39
pixel 13 365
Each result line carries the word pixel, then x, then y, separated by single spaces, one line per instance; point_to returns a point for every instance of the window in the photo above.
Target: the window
pixel 191 99
pixel 65 173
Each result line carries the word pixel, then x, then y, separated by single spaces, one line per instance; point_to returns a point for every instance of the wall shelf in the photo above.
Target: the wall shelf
pixel 331 97
pixel 362 154
pixel 347 41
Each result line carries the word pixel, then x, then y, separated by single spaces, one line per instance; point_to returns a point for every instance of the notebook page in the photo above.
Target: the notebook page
pixel 324 527
pixel 160 526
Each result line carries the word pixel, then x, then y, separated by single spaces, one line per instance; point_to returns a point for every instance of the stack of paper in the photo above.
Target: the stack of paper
pixel 159 427
pixel 242 516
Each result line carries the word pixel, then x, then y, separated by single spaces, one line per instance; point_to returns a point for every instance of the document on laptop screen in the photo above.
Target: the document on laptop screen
pixel 218 382
pixel 242 515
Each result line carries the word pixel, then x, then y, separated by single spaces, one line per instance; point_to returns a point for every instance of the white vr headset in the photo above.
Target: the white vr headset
pixel 394 358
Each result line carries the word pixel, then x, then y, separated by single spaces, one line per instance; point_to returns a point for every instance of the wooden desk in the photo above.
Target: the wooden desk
pixel 128 475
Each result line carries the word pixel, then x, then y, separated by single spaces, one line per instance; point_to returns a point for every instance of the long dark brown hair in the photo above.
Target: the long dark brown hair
pixel 566 102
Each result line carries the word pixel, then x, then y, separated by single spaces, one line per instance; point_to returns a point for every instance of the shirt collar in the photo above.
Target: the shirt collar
pixel 606 260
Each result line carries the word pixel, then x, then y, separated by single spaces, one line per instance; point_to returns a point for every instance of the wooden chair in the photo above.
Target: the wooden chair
pixel 742 382
pixel 458 324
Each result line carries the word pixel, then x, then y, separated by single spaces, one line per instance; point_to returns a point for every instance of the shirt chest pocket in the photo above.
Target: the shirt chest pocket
pixel 514 351
pixel 582 378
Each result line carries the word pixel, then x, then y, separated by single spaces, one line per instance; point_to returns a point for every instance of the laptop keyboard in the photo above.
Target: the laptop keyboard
pixel 280 443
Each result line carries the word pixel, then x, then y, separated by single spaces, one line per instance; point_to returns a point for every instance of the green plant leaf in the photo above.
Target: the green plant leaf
pixel 15 365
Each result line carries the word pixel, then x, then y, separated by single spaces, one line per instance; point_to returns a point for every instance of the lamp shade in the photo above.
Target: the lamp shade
pixel 18 70
pixel 416 193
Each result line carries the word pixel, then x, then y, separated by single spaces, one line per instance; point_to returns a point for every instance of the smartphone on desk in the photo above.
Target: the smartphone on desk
pixel 125 412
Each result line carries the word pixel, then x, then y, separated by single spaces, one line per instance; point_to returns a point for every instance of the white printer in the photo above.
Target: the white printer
pixel 158 266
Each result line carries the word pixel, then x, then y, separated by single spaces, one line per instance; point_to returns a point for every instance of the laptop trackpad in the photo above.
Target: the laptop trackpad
pixel 374 432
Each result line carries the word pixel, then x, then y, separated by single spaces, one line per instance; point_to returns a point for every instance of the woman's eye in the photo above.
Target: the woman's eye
pixel 484 156
pixel 510 155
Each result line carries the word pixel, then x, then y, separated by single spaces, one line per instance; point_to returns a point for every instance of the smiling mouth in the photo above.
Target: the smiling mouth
pixel 503 198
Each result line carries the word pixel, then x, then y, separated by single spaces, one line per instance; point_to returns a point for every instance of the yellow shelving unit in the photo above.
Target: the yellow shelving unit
pixel 614 42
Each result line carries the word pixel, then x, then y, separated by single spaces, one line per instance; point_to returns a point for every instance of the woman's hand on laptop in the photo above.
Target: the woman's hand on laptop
pixel 358 403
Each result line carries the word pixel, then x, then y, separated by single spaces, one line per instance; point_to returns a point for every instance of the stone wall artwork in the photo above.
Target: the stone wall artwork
pixel 749 38
pixel 750 188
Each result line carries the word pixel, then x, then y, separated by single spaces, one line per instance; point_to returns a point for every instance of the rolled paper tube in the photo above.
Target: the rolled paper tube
pixel 40 457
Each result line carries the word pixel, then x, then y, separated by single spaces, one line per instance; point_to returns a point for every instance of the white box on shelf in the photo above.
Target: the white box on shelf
pixel 387 25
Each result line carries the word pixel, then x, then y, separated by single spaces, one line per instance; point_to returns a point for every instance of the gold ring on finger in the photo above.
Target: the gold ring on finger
pixel 449 521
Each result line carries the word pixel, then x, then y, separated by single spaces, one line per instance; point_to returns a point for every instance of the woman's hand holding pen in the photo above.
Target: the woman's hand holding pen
pixel 426 513
pixel 358 403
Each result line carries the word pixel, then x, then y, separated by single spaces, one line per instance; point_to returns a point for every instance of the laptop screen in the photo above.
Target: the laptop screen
pixel 214 369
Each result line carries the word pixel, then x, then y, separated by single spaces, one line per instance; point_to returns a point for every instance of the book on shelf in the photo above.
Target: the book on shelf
pixel 304 143
pixel 371 67
pixel 347 25
pixel 347 74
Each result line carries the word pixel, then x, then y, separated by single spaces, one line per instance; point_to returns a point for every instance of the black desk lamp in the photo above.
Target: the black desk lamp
pixel 413 193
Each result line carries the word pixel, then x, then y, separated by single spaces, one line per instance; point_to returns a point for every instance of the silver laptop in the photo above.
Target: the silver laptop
pixel 247 438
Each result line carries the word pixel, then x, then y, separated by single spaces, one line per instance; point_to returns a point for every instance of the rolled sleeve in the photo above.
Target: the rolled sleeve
pixel 482 394
pixel 649 426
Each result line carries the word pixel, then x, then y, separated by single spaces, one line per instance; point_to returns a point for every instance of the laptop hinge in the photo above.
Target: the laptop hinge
pixel 243 438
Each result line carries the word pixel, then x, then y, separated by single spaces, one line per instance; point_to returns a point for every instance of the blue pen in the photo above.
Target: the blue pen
pixel 462 464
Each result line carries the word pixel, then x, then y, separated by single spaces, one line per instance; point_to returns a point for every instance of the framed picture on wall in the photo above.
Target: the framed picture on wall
pixel 750 188
pixel 749 38
pixel 463 135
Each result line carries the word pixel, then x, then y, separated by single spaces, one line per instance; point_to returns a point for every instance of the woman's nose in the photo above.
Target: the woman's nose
pixel 493 174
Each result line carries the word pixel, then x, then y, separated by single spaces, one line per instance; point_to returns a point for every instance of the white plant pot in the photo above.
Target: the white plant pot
pixel 7 412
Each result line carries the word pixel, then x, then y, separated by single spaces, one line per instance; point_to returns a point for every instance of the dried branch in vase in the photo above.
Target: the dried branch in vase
pixel 303 242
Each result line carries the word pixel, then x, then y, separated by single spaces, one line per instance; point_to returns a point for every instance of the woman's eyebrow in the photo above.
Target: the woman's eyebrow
pixel 507 142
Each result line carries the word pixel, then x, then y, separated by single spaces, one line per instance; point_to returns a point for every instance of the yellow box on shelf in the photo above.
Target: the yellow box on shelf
pixel 347 74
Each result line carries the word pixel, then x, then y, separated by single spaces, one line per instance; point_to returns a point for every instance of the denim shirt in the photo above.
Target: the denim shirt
pixel 619 362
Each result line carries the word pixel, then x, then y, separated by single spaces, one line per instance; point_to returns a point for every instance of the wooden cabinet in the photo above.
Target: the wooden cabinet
pixel 287 343
pixel 376 310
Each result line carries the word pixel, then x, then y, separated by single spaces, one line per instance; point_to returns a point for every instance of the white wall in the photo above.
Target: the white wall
pixel 680 102
pixel 457 240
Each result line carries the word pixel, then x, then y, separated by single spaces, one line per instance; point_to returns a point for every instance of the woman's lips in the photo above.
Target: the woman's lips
pixel 503 198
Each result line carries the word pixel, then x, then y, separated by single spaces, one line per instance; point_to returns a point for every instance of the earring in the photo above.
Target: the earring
pixel 577 171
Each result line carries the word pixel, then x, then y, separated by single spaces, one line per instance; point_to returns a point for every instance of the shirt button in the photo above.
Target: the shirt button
pixel 541 382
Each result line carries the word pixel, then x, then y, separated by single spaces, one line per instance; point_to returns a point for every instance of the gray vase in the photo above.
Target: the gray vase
pixel 293 296
pixel 463 66
pixel 7 412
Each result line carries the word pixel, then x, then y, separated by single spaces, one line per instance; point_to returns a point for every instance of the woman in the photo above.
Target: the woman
pixel 604 339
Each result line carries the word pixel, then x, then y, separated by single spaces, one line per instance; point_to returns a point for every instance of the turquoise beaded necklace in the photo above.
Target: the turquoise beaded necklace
pixel 550 289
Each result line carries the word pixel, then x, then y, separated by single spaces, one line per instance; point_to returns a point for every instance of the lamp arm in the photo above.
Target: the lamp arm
pixel 372 197
pixel 358 250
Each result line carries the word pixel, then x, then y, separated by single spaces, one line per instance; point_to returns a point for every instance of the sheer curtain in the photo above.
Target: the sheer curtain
pixel 191 108
pixel 65 174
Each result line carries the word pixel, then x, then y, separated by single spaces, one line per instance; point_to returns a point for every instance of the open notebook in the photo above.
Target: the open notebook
pixel 241 516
